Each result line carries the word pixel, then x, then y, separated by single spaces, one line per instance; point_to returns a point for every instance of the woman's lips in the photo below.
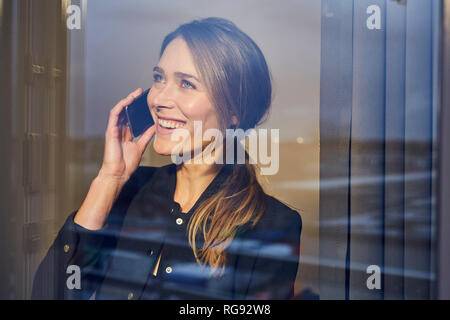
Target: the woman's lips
pixel 170 119
pixel 168 125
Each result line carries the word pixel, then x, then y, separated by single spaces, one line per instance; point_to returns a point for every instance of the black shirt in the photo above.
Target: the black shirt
pixel 144 225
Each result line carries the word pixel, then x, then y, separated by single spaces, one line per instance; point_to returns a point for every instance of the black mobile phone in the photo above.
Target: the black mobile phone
pixel 137 115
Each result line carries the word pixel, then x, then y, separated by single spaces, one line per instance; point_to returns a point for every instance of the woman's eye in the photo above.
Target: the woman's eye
pixel 157 78
pixel 187 84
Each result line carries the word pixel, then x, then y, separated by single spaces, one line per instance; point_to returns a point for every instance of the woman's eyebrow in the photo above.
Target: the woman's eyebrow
pixel 158 69
pixel 185 75
pixel 177 74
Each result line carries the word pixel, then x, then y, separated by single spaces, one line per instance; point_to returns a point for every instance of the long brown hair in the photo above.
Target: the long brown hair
pixel 238 80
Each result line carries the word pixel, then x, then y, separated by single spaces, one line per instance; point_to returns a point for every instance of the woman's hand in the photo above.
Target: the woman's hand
pixel 122 155
pixel 121 159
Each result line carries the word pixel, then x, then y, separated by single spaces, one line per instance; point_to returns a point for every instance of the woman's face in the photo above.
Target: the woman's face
pixel 178 97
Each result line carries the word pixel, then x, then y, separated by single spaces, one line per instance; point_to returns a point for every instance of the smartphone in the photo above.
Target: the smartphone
pixel 137 115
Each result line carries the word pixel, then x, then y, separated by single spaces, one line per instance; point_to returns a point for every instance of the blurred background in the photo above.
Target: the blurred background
pixel 356 99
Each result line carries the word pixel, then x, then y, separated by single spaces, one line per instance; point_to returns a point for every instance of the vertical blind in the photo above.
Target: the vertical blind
pixel 378 108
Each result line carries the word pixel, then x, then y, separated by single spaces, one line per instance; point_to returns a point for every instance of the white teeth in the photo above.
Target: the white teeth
pixel 169 124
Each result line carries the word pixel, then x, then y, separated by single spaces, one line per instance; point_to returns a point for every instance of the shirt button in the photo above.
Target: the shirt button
pixel 66 248
pixel 168 270
pixel 179 221
pixel 130 296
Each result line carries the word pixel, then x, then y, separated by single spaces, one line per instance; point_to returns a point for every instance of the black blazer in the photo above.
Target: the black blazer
pixel 116 262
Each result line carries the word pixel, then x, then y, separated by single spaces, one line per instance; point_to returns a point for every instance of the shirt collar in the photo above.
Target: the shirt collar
pixel 165 180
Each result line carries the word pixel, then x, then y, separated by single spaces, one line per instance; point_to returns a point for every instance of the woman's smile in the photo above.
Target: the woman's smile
pixel 166 125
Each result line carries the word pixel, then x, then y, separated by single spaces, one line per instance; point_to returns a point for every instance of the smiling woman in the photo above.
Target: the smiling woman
pixel 187 231
pixel 178 97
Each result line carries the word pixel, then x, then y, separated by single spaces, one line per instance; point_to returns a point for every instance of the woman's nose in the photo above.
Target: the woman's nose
pixel 165 96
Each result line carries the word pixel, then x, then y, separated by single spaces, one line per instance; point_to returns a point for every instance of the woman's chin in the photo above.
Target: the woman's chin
pixel 163 148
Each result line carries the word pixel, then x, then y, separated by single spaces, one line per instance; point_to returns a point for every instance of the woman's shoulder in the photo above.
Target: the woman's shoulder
pixel 278 220
pixel 144 173
pixel 140 177
pixel 278 212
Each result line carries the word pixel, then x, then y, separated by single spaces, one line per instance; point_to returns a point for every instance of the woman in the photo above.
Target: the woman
pixel 187 231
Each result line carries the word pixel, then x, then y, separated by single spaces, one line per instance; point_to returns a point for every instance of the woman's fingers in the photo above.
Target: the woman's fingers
pixel 145 138
pixel 136 93
pixel 114 113
pixel 127 134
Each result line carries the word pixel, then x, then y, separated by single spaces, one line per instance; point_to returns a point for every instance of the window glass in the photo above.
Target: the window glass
pixel 344 101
